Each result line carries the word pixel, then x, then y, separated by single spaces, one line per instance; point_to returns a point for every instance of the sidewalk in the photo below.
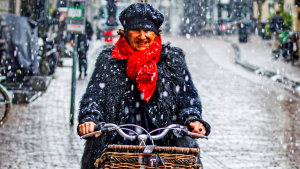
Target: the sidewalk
pixel 38 135
pixel 257 52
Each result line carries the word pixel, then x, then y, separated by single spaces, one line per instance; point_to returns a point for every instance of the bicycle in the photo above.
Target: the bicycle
pixel 5 103
pixel 145 156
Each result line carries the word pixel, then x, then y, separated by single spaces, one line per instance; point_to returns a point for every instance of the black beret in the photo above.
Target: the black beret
pixel 141 16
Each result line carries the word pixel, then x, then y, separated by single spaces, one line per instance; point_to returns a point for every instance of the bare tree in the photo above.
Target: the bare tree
pixel 259 5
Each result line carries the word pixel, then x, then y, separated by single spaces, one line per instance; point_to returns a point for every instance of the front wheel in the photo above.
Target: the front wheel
pixel 5 105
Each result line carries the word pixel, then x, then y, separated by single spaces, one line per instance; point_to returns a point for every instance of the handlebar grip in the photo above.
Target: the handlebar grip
pixel 197 135
pixel 97 128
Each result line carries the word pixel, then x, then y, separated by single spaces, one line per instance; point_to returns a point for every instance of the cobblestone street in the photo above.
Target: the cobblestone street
pixel 254 120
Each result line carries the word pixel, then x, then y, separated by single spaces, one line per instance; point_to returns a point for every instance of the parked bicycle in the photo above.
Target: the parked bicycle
pixel 5 103
pixel 145 156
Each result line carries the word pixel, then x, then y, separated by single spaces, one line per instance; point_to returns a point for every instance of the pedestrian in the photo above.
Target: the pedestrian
pixel 28 12
pixel 84 40
pixel 54 29
pixel 140 81
pixel 276 26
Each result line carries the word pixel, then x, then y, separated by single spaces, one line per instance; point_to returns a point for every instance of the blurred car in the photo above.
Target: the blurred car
pixel 225 27
pixel 207 30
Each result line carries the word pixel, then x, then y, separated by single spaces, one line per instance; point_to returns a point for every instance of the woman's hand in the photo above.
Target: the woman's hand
pixel 197 128
pixel 87 127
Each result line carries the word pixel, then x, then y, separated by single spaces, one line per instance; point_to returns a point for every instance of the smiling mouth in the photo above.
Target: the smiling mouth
pixel 142 43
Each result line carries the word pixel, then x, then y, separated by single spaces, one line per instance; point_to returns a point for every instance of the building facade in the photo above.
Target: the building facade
pixel 181 16
pixel 194 16
pixel 4 6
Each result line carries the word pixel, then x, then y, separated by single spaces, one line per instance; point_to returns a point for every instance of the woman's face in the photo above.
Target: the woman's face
pixel 140 39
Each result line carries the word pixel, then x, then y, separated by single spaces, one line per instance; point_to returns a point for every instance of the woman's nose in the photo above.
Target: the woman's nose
pixel 143 34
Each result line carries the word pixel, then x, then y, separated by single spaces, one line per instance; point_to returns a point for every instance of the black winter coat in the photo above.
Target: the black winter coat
pixel 277 23
pixel 110 97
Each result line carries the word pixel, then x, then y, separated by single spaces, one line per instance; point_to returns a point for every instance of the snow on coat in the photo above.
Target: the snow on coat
pixel 110 95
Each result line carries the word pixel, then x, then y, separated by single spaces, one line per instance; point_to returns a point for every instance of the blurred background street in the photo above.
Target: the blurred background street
pixel 254 119
pixel 249 96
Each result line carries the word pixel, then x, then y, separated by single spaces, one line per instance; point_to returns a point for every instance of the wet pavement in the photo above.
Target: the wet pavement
pixel 255 121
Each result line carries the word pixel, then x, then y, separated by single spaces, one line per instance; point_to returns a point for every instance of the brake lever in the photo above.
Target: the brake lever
pixel 91 134
pixel 197 135
pixel 99 126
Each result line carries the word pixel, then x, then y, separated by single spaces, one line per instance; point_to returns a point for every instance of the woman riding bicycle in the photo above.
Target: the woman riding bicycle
pixel 140 81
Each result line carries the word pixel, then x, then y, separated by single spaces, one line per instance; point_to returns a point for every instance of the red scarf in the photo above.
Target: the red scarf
pixel 141 65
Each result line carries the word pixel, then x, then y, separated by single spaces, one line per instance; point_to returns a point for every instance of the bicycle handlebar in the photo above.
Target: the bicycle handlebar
pixel 101 127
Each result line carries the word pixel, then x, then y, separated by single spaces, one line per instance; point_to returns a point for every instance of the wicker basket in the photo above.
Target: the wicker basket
pixel 127 156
